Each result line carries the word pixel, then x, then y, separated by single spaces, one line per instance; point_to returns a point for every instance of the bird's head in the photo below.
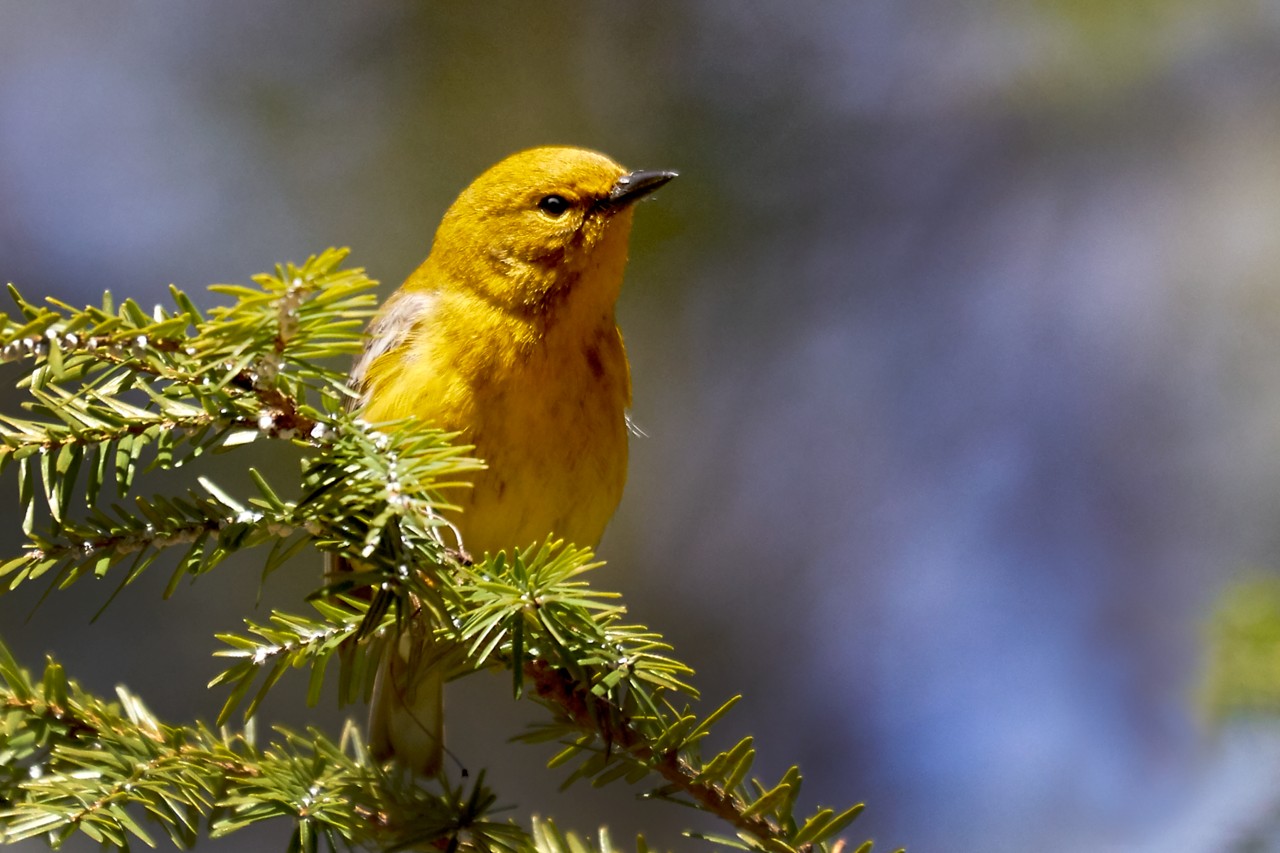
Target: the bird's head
pixel 543 228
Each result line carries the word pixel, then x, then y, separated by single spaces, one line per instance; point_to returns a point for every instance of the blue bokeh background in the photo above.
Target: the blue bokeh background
pixel 955 344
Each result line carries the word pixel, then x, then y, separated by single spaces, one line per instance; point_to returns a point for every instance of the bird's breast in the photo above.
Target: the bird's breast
pixel 544 408
pixel 551 425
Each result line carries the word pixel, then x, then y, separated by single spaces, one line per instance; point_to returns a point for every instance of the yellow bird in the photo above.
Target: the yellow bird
pixel 506 333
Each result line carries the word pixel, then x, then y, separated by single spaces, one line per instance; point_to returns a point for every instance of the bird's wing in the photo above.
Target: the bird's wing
pixel 391 330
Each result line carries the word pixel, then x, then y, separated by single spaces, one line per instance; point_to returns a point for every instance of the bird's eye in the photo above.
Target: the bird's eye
pixel 554 205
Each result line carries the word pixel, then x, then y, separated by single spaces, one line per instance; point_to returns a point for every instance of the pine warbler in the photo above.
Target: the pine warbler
pixel 506 333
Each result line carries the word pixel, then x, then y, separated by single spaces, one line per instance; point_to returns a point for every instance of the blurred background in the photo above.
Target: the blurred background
pixel 956 345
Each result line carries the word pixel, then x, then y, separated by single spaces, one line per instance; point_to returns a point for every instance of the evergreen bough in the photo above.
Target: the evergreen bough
pixel 114 390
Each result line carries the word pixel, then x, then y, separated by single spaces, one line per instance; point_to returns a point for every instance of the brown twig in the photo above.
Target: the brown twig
pixel 556 687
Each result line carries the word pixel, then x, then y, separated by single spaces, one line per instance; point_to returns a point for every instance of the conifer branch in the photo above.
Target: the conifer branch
pixel 115 391
pixel 76 763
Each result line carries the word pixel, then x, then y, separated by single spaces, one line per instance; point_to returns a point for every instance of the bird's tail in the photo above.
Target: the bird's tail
pixel 406 715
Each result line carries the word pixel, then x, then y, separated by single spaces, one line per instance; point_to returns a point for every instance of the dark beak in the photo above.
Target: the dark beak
pixel 636 185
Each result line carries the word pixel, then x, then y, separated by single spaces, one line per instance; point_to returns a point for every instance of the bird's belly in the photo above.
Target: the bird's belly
pixel 557 463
